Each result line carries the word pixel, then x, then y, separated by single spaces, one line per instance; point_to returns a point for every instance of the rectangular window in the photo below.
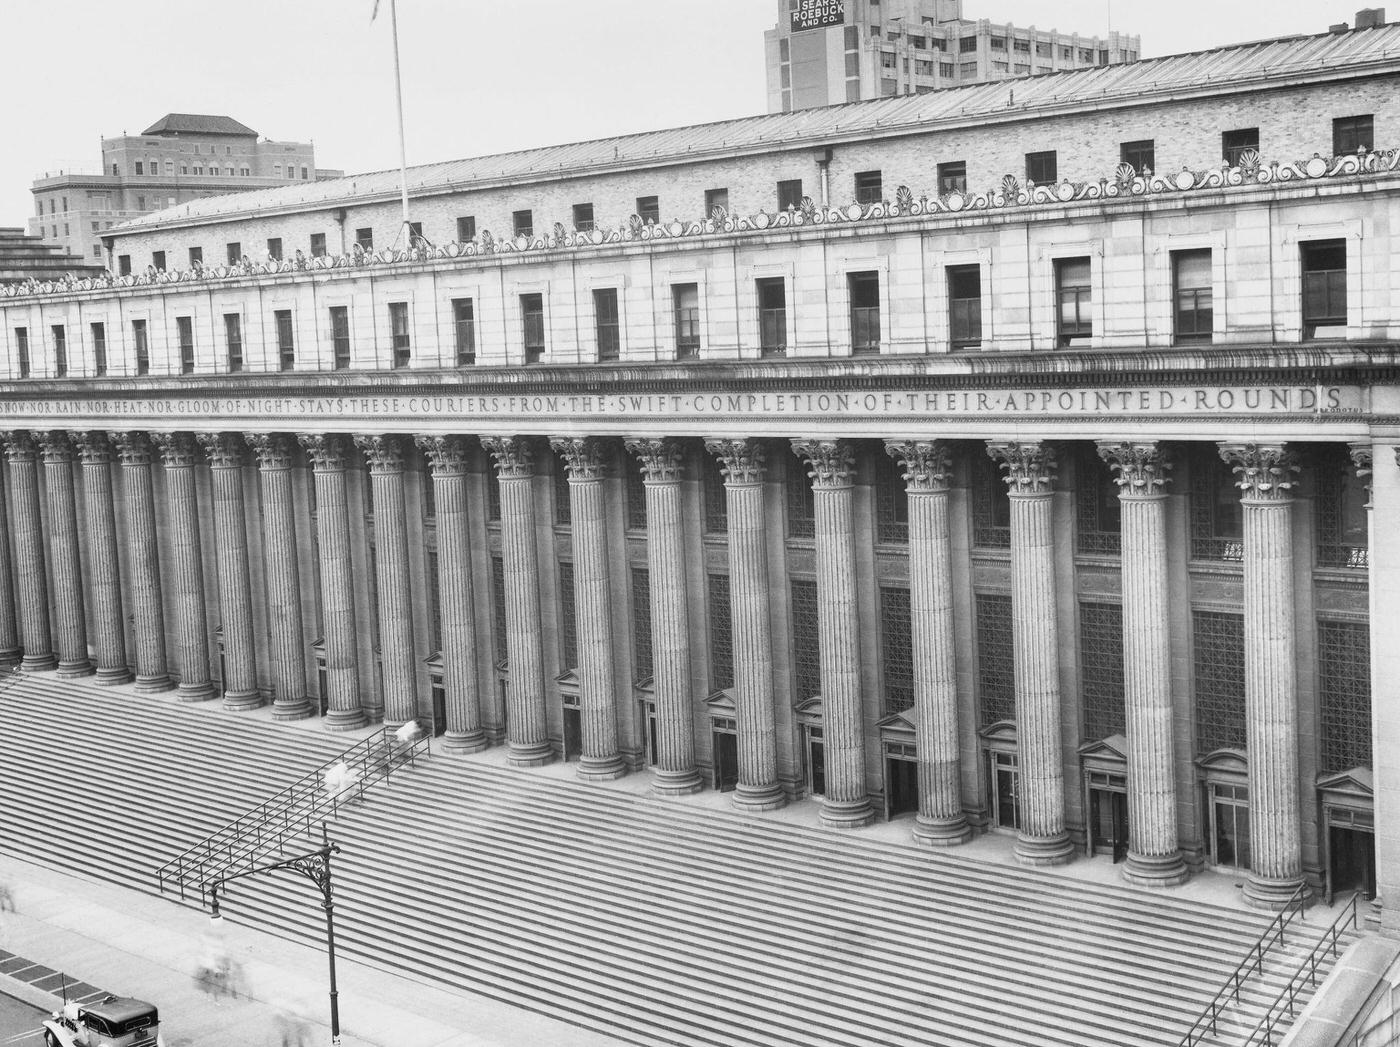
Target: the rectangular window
pixel 466 228
pixel 568 621
pixel 1324 289
pixel 60 351
pixel 967 70
pixel 685 300
pixel 801 500
pixel 649 208
pixel 99 349
pixel 274 248
pixel 583 218
pixel 772 316
pixel 318 245
pixel 996 659
pixel 1218 650
pixel 22 351
pixel 806 642
pixel 402 342
pixel 606 323
pixel 140 167
pixel 713 495
pixel 721 633
pixel 340 335
pixel 998 43
pixel 1351 134
pixel 1139 155
pixel 1191 285
pixel 1344 685
pixel 196 257
pixel 641 624
pixel 1042 168
pixel 233 253
pixel 233 341
pixel 286 342
pixel 1234 144
pixel 868 187
pixel 634 494
pixel 184 326
pixel 790 194
pixel 965 306
pixel 415 233
pixel 464 331
pixel 498 607
pixel 716 198
pixel 897 648
pixel 952 177
pixel 124 265
pixel 158 260
pixel 864 290
pixel 1073 299
pixel 891 502
pixel 967 44
pixel 365 238
pixel 1101 669
pixel 532 326
pixel 142 347
pixel 523 222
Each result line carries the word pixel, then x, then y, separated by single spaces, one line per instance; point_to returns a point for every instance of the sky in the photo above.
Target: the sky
pixel 479 76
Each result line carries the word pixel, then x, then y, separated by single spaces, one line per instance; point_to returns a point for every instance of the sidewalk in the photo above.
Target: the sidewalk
pixel 133 944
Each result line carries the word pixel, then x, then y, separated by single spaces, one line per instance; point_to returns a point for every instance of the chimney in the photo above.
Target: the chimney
pixel 1338 27
pixel 1370 17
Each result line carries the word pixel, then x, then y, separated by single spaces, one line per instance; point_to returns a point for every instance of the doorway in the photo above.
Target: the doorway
pixel 901 786
pixel 1005 792
pixel 573 732
pixel 726 749
pixel 1108 822
pixel 439 692
pixel 648 711
pixel 1229 816
pixel 1351 852
pixel 815 747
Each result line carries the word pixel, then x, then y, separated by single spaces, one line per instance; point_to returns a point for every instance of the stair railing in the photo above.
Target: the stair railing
pixel 296 810
pixel 1252 963
pixel 1274 1020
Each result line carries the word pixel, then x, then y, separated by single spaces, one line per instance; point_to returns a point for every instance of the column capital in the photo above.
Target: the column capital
pixel 740 460
pixel 661 458
pixel 833 462
pixel 515 456
pixel 224 450
pixel 383 452
pixel 329 452
pixel 1265 471
pixel 94 448
pixel 927 465
pixel 448 455
pixel 1030 465
pixel 585 456
pixel 1141 466
pixel 273 450
pixel 1361 460
pixel 54 445
pixel 133 447
pixel 19 445
pixel 176 449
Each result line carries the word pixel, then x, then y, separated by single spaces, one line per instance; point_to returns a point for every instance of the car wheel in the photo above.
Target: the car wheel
pixel 50 1039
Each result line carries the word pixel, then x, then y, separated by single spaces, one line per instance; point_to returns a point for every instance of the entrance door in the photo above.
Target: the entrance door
pixel 1229 812
pixel 323 684
pixel 726 747
pixel 901 787
pixel 816 759
pixel 1109 814
pixel 439 708
pixel 1006 789
pixel 649 718
pixel 1352 864
pixel 573 732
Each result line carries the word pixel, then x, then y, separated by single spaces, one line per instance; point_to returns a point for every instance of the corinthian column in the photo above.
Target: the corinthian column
pixel 1154 859
pixel 527 733
pixel 329 456
pixel 1030 472
pixel 104 574
pixel 178 452
pixel 845 804
pixel 66 562
pixel 675 773
pixel 285 638
pixel 927 467
pixel 1265 476
pixel 385 457
pixel 460 672
pixel 742 462
pixel 9 622
pixel 225 454
pixel 584 457
pixel 143 561
pixel 29 553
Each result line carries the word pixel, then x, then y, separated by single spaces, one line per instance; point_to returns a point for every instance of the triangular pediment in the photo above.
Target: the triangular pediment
pixel 1358 780
pixel 905 720
pixel 1114 747
pixel 722 702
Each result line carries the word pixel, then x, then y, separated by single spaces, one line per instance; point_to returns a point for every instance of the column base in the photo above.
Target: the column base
pixel 196 692
pixel 292 708
pixel 1162 870
pixel 1266 892
pixel 1044 850
pixel 242 701
pixel 601 768
pixel 10 657
pixel 111 675
pixel 846 814
pixel 675 783
pixel 38 663
pixel 530 754
pixel 942 832
pixel 473 741
pixel 344 719
pixel 758 797
pixel 74 669
pixel 154 684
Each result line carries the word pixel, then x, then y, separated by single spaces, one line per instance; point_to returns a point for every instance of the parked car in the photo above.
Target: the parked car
pixel 113 1021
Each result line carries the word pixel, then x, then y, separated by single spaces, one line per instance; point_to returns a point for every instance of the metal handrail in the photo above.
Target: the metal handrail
pixel 1273 1017
pixel 297 809
pixel 1253 962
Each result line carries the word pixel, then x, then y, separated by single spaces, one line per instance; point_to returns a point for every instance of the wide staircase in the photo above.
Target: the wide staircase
pixel 657 922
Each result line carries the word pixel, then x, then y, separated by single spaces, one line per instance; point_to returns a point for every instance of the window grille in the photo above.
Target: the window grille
pixel 1194 310
pixel 340 335
pixel 1219 662
pixel 713 495
pixel 563 512
pixel 1324 269
pixel 1074 298
pixel 801 507
pixel 568 621
pixel 1217 523
pixel 498 606
pixel 891 501
pixel 1340 512
pixel 641 624
pixel 493 497
pixel 996 659
pixel 434 602
pixel 806 645
pixel 464 331
pixel 636 494
pixel 1101 669
pixel 721 634
pixel 185 327
pixel 897 646
pixel 1344 693
pixel 991 508
pixel 1098 510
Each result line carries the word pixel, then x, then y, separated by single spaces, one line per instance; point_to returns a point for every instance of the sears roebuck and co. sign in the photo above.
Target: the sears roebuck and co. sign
pixel 817 14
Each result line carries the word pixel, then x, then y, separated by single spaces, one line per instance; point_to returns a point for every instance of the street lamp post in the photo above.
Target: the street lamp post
pixel 315 866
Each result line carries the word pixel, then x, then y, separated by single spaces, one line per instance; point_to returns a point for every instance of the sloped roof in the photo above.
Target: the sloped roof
pixel 196 124
pixel 1222 70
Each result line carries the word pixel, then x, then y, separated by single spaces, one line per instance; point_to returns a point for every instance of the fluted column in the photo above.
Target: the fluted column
pixel 758 788
pixel 675 773
pixel 329 455
pixel 1154 858
pixel 9 620
pixel 585 458
pixel 143 562
pixel 845 804
pixel 385 457
pixel 30 560
pixel 1265 476
pixel 65 560
pixel 447 455
pixel 286 657
pixel 225 454
pixel 104 573
pixel 179 453
pixel 1030 470
pixel 527 733
pixel 927 469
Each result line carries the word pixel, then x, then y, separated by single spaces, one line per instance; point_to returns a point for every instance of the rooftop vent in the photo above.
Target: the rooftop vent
pixel 1369 17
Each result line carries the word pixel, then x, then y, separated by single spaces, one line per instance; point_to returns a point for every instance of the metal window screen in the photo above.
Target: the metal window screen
pixel 563 514
pixel 1218 643
pixel 897 646
pixel 712 489
pixel 991 509
pixel 801 509
pixel 806 644
pixel 891 501
pixel 1344 693
pixel 636 496
pixel 498 606
pixel 641 623
pixel 996 659
pixel 1101 669
pixel 1097 509
pixel 568 623
pixel 721 634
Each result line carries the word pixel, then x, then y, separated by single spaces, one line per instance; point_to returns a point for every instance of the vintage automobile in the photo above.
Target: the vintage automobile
pixel 113 1021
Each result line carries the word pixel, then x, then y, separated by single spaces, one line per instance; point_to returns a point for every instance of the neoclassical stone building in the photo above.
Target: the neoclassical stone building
pixel 1062 509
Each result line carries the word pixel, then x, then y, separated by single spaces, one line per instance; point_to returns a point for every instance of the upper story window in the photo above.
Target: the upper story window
pixel 1351 134
pixel 464 331
pixel 400 337
pixel 998 43
pixel 196 257
pixel 1098 510
pixel 1217 521
pixel 772 316
pixel 1139 155
pixel 1073 298
pixel 789 194
pixel 318 245
pixel 184 326
pixel 532 323
pixel 233 341
pixel 274 248
pixel 158 260
pixel 716 198
pixel 967 44
pixel 605 318
pixel 864 290
pixel 965 306
pixel 1042 168
pixel 649 208
pixel 891 501
pixel 233 252
pixel 365 238
pixel 99 349
pixel 523 222
pixel 1194 317
pixel 583 218
pixel 466 228
pixel 952 177
pixel 869 188
pixel 140 167
pixel 685 300
pixel 124 265
pixel 142 346
pixel 1339 510
pixel 22 351
pixel 1324 265
pixel 60 351
pixel 1234 144
pixel 286 340
pixel 340 336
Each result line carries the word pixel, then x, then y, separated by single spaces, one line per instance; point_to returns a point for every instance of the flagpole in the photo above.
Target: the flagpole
pixel 398 98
